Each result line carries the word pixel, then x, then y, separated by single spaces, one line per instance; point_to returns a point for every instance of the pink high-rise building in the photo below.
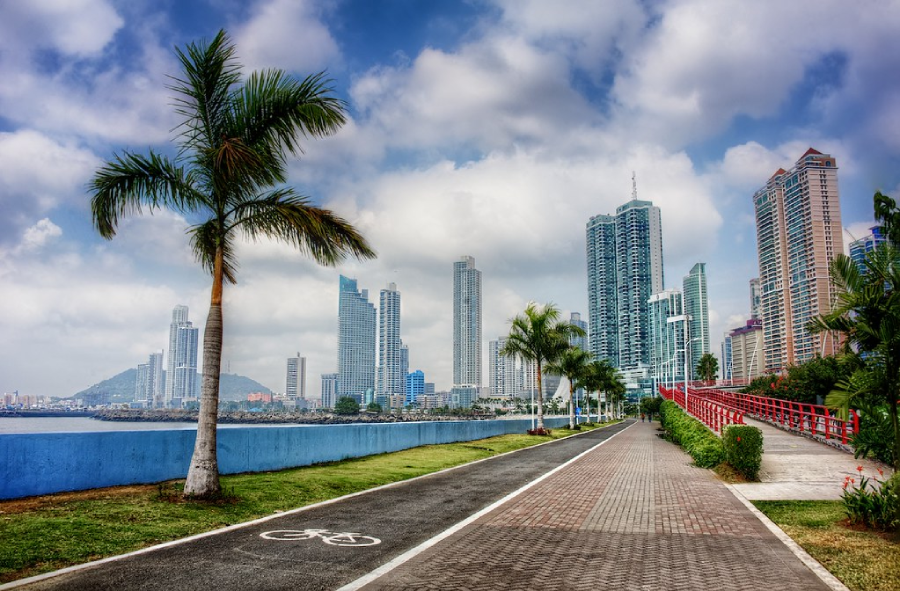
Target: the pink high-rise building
pixel 798 227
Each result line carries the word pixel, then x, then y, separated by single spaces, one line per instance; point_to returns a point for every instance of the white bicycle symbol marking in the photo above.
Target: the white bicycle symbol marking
pixel 329 537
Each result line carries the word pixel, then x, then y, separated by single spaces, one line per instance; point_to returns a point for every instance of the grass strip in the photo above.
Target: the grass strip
pixel 863 560
pixel 41 534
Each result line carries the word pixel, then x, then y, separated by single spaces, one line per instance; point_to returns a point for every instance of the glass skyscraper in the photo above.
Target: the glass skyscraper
pixel 625 267
pixel 466 323
pixel 798 228
pixel 667 337
pixel 356 342
pixel 859 248
pixel 696 306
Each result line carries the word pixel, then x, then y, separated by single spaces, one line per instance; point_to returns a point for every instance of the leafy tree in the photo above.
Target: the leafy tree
pixel 228 178
pixel 346 405
pixel 867 312
pixel 572 364
pixel 539 336
pixel 708 367
pixel 374 407
pixel 650 405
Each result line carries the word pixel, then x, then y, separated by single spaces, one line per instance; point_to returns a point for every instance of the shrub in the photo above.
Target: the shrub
pixel 743 449
pixel 873 503
pixel 704 446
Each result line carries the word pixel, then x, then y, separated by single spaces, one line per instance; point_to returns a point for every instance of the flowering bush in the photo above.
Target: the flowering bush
pixel 743 449
pixel 872 503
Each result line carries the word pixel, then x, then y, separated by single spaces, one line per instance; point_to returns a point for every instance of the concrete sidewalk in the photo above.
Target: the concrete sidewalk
pixel 798 468
pixel 630 514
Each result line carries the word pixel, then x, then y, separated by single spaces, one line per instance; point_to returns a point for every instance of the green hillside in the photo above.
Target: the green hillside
pixel 120 387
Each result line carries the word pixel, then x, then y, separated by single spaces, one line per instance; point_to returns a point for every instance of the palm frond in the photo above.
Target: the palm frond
pixel 132 181
pixel 210 69
pixel 282 215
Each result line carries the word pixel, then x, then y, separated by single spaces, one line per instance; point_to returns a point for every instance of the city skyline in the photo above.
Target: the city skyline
pixel 493 128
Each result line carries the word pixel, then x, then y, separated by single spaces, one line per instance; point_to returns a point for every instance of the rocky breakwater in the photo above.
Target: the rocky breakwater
pixel 258 418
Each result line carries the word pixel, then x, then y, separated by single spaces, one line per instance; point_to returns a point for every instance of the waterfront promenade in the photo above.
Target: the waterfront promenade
pixel 616 508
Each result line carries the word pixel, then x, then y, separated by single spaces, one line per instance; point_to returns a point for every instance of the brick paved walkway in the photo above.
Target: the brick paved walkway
pixel 631 514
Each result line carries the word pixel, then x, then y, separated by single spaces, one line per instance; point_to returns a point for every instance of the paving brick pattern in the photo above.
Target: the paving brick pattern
pixel 631 514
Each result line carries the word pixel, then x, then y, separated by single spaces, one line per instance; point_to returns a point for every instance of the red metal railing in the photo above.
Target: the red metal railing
pixel 711 413
pixel 796 416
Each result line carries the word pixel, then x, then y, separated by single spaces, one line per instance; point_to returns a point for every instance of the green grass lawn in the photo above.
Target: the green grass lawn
pixel 862 560
pixel 41 534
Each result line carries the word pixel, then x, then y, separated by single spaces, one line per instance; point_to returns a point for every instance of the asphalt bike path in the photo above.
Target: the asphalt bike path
pixel 329 545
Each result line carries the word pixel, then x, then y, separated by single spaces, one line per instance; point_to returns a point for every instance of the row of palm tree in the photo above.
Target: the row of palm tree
pixel 539 336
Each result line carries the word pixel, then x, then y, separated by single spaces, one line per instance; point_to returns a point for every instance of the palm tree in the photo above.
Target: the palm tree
pixel 539 336
pixel 228 172
pixel 708 367
pixel 572 364
pixel 867 312
pixel 592 380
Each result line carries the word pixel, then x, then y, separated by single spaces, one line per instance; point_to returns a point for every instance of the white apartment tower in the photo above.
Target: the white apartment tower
pixel 181 365
pixel 466 323
pixel 391 376
pixel 295 378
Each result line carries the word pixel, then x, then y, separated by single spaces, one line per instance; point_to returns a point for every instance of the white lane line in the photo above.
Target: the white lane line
pixel 409 554
pixel 820 571
pixel 215 532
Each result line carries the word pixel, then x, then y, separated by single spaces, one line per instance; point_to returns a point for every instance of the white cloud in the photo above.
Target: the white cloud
pixel 78 28
pixel 286 34
pixel 492 94
pixel 39 234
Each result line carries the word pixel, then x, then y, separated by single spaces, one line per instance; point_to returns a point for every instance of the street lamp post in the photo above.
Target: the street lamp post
pixel 684 318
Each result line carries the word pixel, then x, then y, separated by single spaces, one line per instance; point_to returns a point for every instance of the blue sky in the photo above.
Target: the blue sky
pixel 490 128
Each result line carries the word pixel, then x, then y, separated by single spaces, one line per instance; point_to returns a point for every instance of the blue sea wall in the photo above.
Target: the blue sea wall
pixel 42 463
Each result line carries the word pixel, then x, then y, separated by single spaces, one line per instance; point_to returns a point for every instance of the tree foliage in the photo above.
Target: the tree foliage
pixel 572 363
pixel 708 367
pixel 867 313
pixel 346 405
pixel 228 178
pixel 538 336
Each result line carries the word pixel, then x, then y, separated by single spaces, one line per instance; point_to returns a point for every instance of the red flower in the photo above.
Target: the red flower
pixel 859 469
pixel 738 438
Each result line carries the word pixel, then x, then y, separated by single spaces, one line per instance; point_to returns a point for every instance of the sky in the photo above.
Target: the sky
pixel 488 128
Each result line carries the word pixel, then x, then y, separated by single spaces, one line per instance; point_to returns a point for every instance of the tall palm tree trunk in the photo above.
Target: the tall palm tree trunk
pixel 203 474
pixel 540 399
pixel 571 406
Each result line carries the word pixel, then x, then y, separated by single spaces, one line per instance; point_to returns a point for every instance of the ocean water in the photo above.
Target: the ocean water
pixel 87 424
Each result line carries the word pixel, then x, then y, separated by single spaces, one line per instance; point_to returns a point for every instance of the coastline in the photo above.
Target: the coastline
pixel 251 418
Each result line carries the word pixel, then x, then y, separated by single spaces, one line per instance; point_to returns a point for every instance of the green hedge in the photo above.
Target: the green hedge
pixel 697 440
pixel 743 449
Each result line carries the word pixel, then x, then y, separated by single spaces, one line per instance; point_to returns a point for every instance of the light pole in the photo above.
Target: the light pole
pixel 684 318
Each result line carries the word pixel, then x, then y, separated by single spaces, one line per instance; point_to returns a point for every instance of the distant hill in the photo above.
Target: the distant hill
pixel 120 387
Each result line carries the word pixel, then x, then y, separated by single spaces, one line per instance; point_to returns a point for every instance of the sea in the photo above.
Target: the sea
pixel 88 424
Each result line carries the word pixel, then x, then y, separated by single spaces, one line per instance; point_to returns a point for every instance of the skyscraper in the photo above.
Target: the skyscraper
pixel 667 337
pixel 579 341
pixel 696 306
pixel 356 342
pixel 625 267
pixel 746 351
pixel 859 248
pixel 391 379
pixel 755 298
pixel 329 389
pixel 181 365
pixel 798 227
pixel 504 373
pixel 603 336
pixel 415 387
pixel 295 379
pixel 466 323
